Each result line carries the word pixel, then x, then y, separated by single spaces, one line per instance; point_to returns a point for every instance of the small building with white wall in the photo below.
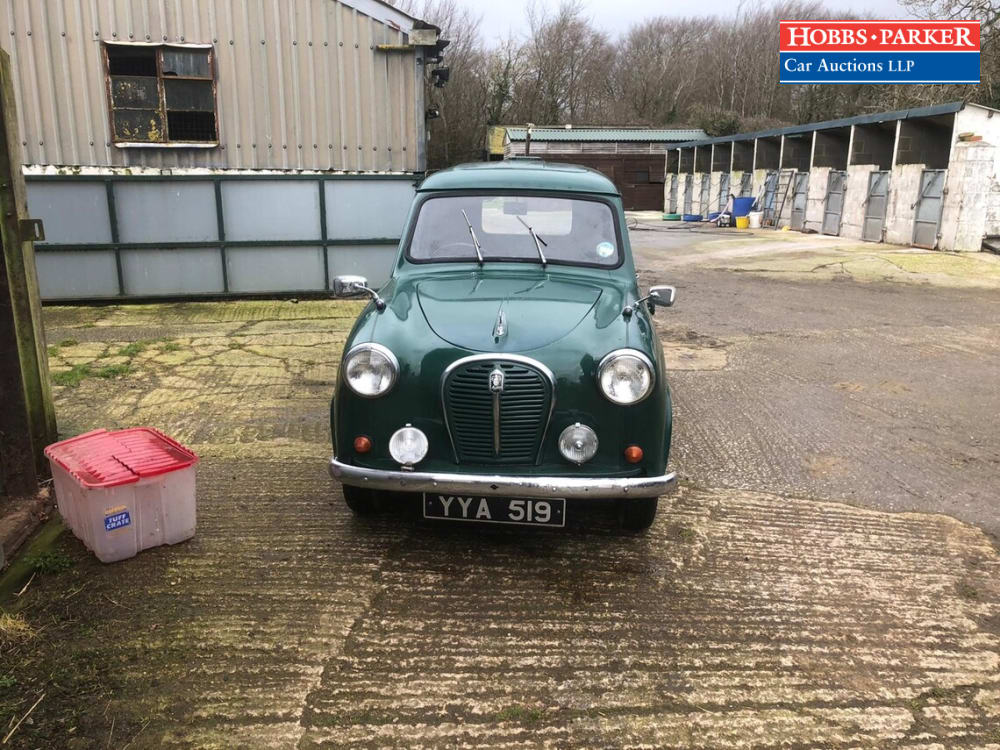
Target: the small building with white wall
pixel 928 177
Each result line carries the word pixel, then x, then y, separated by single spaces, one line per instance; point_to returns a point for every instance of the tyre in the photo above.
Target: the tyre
pixel 359 500
pixel 637 514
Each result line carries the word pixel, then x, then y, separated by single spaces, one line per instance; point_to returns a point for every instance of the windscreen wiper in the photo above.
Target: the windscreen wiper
pixel 538 240
pixel 475 240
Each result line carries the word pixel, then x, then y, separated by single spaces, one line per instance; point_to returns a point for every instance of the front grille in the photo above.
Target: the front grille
pixel 525 403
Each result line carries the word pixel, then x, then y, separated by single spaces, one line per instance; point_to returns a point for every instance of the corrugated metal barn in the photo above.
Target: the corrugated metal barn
pixel 632 158
pixel 928 176
pixel 217 147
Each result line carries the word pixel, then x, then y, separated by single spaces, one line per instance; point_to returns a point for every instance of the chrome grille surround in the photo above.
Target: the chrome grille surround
pixel 524 408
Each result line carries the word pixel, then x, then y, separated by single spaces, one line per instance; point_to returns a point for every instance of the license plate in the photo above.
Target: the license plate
pixel 515 510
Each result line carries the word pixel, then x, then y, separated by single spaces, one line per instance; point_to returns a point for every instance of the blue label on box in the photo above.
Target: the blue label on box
pixel 117 521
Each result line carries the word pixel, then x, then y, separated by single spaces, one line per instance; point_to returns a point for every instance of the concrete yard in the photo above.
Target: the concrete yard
pixel 826 576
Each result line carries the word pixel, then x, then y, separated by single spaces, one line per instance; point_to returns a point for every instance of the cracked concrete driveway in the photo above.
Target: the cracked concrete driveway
pixel 825 576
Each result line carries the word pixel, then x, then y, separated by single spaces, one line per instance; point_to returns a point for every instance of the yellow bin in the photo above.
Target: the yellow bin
pixel 742 222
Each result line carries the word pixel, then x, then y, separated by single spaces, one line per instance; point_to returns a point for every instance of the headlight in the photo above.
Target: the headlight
pixel 625 376
pixel 370 369
pixel 578 443
pixel 408 445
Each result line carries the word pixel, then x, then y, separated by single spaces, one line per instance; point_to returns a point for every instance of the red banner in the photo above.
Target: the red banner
pixel 879 36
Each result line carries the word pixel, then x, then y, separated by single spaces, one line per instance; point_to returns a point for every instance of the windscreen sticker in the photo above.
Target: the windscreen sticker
pixel 605 249
pixel 116 518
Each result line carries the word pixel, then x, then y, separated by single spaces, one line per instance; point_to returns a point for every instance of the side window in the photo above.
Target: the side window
pixel 161 94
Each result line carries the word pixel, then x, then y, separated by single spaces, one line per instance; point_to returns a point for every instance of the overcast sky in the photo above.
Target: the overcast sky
pixel 615 16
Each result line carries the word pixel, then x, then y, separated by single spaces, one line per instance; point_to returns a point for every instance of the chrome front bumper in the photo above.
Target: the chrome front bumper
pixel 499 484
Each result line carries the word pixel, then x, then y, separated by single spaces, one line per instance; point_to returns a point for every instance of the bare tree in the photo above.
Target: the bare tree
pixel 710 72
pixel 653 75
pixel 987 12
pixel 460 132
pixel 566 63
pixel 503 72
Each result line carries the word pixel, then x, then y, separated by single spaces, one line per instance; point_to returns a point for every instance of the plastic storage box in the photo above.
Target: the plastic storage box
pixel 125 491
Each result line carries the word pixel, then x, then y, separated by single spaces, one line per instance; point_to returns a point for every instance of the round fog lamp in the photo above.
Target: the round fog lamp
pixel 578 443
pixel 408 445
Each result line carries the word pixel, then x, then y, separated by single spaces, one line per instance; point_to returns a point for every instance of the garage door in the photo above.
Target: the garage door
pixel 930 202
pixel 799 196
pixel 770 193
pixel 875 206
pixel 834 207
pixel 723 190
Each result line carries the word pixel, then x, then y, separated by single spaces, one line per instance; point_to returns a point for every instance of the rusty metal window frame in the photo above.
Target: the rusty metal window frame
pixel 161 79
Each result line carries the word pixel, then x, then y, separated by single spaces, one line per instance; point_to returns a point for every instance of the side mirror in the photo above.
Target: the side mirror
pixel 349 286
pixel 662 296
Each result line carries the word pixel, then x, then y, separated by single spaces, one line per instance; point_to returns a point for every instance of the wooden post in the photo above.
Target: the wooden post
pixel 17 461
pixel 24 371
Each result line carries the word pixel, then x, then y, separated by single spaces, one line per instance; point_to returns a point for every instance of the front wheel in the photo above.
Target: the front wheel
pixel 637 514
pixel 361 501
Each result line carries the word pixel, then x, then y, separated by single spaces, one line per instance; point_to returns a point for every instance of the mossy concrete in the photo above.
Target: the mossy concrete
pixel 793 255
pixel 772 616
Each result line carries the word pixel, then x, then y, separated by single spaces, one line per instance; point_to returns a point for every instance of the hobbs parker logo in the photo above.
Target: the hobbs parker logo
pixel 879 52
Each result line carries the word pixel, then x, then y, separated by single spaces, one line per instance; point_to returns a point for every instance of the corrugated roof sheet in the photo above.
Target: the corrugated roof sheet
pixel 655 135
pixel 899 114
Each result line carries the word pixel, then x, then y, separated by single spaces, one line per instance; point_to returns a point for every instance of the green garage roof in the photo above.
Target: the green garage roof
pixel 867 119
pixel 643 135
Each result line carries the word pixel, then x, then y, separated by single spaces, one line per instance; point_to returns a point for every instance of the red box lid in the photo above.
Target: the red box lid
pixel 110 459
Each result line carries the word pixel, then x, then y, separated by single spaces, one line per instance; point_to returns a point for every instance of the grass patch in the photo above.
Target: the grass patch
pixel 56 349
pixel 522 714
pixel 235 345
pixel 113 371
pixel 14 628
pixel 349 718
pixel 73 376
pixel 78 373
pixel 170 346
pixel 682 533
pixel 967 592
pixel 50 562
pixel 130 350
